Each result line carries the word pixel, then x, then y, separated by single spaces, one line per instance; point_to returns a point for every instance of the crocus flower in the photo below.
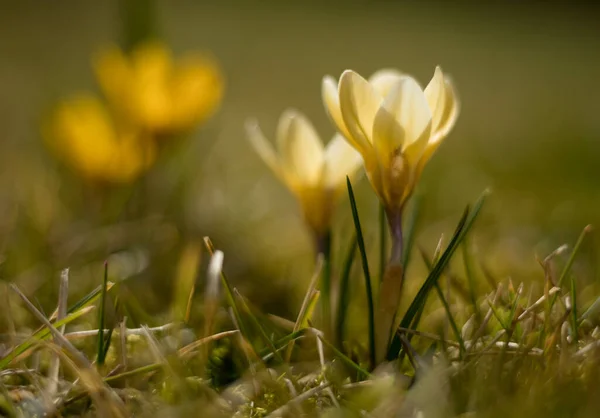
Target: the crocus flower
pixel 82 132
pixel 150 89
pixel 313 172
pixel 394 124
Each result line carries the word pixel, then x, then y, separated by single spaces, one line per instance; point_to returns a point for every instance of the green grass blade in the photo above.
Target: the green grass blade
pixel 453 325
pixel 228 291
pixel 259 327
pixel 575 324
pixel 40 335
pixel 464 225
pixel 102 312
pixel 468 264
pixel 446 306
pixel 365 266
pixel 282 343
pixel 108 339
pixel 344 292
pixel 89 298
pixel 345 359
pixel 498 316
pixel 570 261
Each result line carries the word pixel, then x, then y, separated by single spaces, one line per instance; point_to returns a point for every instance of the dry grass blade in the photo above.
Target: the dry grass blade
pixel 62 313
pixel 189 349
pixel 211 295
pixel 284 410
pixel 90 378
pixel 304 309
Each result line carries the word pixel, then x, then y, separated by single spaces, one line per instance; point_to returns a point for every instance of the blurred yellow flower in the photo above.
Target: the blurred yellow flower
pixel 393 123
pixel 82 132
pixel 314 173
pixel 148 88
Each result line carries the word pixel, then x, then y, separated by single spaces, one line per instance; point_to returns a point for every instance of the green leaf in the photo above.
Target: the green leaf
pixel 365 265
pixel 462 229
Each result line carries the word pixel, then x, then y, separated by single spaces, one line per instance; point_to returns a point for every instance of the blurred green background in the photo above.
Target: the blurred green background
pixel 526 73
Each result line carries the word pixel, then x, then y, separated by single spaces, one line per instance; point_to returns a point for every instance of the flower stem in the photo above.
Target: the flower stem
pixel 395 224
pixel 382 241
pixel 323 246
pixel 391 285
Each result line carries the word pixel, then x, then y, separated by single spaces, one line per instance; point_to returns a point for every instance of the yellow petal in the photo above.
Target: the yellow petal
pixel 300 147
pixel 263 148
pixel 359 104
pixel 341 160
pixel 403 119
pixel 150 88
pixel 446 122
pixel 451 110
pixel 383 80
pixel 331 100
pixel 114 76
pixel 85 135
pixel 436 97
pixel 197 88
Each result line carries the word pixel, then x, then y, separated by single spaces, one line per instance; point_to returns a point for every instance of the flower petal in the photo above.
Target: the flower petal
pixel 114 76
pixel 403 119
pixel 446 119
pixel 331 100
pixel 197 89
pixel 383 80
pixel 359 103
pixel 263 148
pixel 436 97
pixel 451 109
pixel 341 160
pixel 300 147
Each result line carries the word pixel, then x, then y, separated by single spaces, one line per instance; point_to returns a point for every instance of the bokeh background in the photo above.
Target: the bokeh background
pixel 526 72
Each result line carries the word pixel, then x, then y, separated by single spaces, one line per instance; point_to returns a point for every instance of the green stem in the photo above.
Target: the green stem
pixel 323 247
pixel 139 22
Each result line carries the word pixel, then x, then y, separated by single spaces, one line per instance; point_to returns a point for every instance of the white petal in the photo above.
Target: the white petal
pixel 341 160
pixel 383 80
pixel 262 147
pixel 300 147
pixel 359 104
pixel 331 100
pixel 403 119
pixel 436 97
pixel 451 110
pixel 447 123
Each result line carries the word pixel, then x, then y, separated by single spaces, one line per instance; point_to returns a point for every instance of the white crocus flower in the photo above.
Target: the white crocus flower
pixel 394 124
pixel 315 173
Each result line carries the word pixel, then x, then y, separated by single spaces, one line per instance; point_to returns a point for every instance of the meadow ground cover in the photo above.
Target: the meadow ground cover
pixel 251 210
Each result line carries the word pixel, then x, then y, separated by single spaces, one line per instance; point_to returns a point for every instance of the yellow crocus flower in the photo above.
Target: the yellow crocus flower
pixel 82 132
pixel 393 123
pixel 313 172
pixel 164 96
